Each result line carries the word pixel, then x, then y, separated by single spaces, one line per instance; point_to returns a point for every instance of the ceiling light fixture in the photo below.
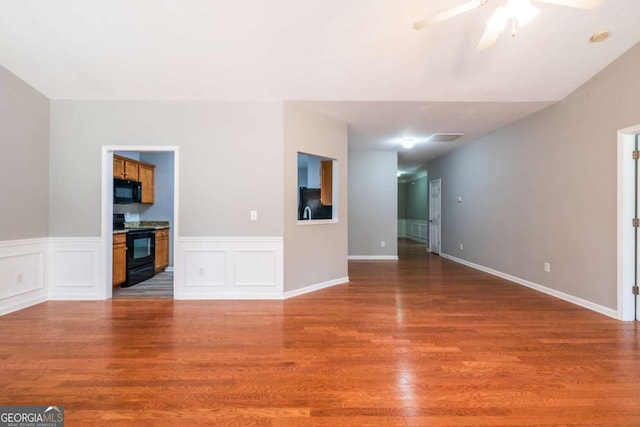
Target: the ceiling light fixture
pixel 408 143
pixel 599 36
pixel 519 12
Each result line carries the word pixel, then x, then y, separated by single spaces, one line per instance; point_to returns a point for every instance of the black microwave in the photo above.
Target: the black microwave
pixel 125 191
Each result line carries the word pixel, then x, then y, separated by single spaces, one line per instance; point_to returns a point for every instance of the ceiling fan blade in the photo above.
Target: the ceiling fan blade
pixel 488 39
pixel 464 7
pixel 492 31
pixel 579 4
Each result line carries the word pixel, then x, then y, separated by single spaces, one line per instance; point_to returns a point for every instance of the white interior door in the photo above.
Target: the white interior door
pixel 435 190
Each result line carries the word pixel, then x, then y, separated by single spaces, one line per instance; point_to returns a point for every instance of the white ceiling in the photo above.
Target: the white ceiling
pixel 357 60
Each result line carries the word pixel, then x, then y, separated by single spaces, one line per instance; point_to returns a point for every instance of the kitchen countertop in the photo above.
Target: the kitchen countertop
pixel 135 225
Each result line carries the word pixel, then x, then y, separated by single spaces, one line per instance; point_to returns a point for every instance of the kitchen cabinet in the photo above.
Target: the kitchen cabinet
pixel 119 261
pixel 326 182
pixel 146 177
pixel 125 168
pixel 162 249
pixel 135 170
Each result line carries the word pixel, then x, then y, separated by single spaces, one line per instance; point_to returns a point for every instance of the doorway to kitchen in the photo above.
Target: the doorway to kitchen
pixel 157 216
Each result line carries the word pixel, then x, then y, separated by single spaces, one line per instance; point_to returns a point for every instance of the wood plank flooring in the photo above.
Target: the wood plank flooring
pixel 159 286
pixel 419 342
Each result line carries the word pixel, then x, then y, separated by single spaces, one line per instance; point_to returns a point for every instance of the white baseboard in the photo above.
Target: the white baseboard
pixel 6 308
pixel 373 257
pixel 316 287
pixel 561 295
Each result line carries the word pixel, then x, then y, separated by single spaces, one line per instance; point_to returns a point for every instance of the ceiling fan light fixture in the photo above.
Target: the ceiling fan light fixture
pixel 408 143
pixel 599 36
pixel 518 11
pixel 522 11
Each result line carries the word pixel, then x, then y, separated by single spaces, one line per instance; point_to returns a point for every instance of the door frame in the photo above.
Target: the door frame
pixel 626 198
pixel 106 225
pixel 439 181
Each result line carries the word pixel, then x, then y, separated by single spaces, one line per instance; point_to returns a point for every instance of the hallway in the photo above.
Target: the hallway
pixel 422 341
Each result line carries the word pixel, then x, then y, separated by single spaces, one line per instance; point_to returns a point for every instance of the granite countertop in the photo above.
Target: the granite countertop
pixel 158 225
pixel 134 225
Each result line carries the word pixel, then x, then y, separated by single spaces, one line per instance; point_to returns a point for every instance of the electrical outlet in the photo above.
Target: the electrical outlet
pixel 461 247
pixel 547 267
pixel 383 244
pixel 19 279
pixel 253 215
pixel 201 272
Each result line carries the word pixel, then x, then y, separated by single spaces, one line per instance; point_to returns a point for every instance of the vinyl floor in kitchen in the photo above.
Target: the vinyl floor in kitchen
pixel 160 286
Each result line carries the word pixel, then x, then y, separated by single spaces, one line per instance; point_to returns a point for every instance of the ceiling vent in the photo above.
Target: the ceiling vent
pixel 445 137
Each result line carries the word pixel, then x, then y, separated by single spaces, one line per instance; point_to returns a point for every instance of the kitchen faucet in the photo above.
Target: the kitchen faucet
pixel 304 215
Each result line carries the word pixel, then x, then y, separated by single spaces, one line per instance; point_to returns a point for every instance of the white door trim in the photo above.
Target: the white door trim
pixel 107 210
pixel 626 188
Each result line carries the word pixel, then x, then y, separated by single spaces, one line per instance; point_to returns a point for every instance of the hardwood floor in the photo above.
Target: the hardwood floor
pixel 159 286
pixel 418 342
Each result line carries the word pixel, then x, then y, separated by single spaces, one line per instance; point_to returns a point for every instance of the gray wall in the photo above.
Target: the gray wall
pixel 230 162
pixel 544 189
pixel 162 208
pixel 373 203
pixel 313 253
pixel 402 200
pixel 415 196
pixel 24 164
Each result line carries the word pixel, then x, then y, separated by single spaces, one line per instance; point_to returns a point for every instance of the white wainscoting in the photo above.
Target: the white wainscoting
pixel 23 278
pixel 76 271
pixel 229 268
pixel 413 229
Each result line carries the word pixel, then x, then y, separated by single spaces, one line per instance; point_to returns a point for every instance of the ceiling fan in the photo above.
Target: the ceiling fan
pixel 515 12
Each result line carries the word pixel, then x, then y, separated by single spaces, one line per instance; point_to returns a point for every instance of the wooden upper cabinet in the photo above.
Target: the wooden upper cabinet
pixel 124 168
pixel 146 177
pixel 326 182
pixel 131 171
pixel 118 167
